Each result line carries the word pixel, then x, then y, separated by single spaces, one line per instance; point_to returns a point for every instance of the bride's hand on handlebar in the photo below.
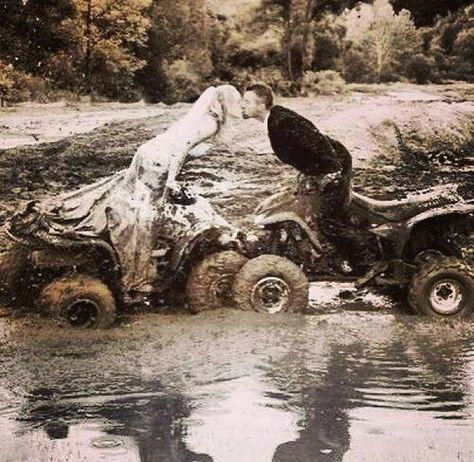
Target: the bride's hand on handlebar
pixel 179 193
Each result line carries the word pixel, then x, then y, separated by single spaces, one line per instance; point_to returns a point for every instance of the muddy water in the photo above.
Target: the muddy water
pixel 235 387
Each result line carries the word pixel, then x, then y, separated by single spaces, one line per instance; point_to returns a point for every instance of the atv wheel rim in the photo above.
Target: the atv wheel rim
pixel 447 296
pixel 82 313
pixel 271 294
pixel 222 287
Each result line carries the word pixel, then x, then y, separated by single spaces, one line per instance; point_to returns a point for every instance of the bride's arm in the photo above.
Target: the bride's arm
pixel 207 126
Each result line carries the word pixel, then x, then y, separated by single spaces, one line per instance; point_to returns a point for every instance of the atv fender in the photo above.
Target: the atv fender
pixel 222 236
pixel 466 209
pixel 400 233
pixel 268 220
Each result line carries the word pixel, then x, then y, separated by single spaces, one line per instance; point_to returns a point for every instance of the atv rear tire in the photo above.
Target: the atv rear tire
pixel 443 287
pixel 209 285
pixel 80 300
pixel 271 284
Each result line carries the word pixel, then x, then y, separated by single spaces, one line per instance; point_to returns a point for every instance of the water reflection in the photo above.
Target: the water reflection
pixel 146 426
pixel 386 397
pixel 325 432
pixel 241 419
pixel 335 388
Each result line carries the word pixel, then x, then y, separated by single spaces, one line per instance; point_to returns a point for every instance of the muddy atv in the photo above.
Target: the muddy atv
pixel 78 279
pixel 424 246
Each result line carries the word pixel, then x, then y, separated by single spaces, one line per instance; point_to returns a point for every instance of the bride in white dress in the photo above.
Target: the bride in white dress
pixel 126 207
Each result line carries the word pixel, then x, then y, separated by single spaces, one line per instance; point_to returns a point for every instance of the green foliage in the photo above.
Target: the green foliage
pixel 16 85
pixel 356 67
pixel 464 45
pixel 169 50
pixel 185 82
pixel 107 34
pixel 328 37
pixel 451 45
pixel 425 12
pixel 7 78
pixel 179 31
pixel 30 31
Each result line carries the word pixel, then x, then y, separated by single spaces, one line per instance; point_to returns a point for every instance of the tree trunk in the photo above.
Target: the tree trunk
pixel 287 45
pixel 379 66
pixel 87 70
pixel 306 28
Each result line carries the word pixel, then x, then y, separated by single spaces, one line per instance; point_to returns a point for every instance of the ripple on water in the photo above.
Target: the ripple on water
pixel 410 384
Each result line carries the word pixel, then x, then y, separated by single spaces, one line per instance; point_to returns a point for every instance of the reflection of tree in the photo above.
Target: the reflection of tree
pixel 153 422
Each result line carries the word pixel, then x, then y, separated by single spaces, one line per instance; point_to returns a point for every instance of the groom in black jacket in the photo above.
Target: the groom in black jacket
pixel 323 162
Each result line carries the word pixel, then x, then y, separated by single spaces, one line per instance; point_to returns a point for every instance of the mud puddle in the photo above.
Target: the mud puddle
pixel 234 387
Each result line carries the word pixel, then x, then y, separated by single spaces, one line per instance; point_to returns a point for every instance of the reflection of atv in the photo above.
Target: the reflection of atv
pixel 79 279
pixel 418 239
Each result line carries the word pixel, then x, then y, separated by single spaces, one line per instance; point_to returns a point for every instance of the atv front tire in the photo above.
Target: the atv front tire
pixel 443 287
pixel 271 284
pixel 209 285
pixel 80 300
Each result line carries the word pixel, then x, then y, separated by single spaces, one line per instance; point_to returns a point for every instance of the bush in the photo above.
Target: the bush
pixel 419 68
pixel 18 86
pixel 356 67
pixel 7 80
pixel 63 70
pixel 322 83
pixel 273 77
pixel 464 48
pixel 184 83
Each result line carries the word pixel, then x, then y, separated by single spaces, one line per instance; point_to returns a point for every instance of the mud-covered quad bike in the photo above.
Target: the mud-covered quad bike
pixel 78 279
pixel 423 242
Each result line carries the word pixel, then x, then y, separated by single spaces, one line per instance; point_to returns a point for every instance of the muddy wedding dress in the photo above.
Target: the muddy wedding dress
pixel 126 207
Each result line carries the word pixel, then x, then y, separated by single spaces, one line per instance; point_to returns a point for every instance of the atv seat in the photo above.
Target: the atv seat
pixel 413 204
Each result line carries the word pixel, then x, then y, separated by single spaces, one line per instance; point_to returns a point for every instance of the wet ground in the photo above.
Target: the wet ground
pixel 358 380
pixel 232 387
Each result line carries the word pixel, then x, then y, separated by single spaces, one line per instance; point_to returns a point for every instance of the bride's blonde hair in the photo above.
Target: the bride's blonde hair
pixel 229 101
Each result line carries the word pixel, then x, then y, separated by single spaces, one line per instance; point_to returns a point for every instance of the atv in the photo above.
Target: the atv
pixel 78 279
pixel 424 247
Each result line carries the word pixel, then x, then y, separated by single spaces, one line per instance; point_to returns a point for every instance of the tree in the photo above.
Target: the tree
pixel 425 12
pixel 451 44
pixel 179 42
pixel 106 35
pixel 388 40
pixel 29 31
pixel 299 18
pixel 329 43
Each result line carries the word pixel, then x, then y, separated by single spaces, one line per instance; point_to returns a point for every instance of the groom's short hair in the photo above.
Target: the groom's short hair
pixel 262 91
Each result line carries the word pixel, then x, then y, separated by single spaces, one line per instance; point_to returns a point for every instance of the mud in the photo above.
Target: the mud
pixel 232 386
